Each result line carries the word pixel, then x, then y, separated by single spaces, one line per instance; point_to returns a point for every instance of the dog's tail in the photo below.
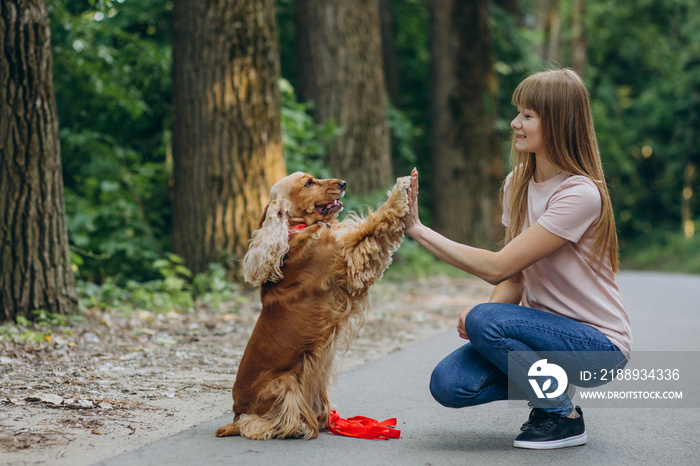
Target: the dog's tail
pixel 229 430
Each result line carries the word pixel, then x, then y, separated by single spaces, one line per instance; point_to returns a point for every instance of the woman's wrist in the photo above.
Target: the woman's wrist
pixel 414 230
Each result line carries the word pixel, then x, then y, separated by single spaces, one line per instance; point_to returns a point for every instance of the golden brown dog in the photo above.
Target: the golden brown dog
pixel 314 274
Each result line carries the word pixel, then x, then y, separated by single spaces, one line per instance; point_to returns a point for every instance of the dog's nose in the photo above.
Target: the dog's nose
pixel 342 184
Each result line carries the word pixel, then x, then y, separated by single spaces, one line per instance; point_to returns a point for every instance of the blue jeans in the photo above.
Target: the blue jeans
pixel 477 372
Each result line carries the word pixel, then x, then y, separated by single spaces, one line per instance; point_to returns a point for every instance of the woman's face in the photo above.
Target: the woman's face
pixel 528 131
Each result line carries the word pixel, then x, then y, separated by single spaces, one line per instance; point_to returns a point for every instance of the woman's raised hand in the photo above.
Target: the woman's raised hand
pixel 412 220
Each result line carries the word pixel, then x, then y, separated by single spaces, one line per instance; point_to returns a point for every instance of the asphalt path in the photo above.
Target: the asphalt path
pixel 665 314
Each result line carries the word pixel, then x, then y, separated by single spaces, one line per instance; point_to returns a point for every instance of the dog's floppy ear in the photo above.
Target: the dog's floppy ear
pixel 268 245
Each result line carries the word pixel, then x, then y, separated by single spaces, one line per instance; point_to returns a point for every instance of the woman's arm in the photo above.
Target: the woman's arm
pixel 509 291
pixel 530 246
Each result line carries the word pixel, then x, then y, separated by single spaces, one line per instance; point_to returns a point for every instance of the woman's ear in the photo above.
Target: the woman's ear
pixel 268 245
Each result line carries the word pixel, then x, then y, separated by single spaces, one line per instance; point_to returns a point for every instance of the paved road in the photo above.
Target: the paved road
pixel 664 312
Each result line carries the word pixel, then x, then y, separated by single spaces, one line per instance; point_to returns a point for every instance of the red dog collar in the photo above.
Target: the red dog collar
pixel 294 229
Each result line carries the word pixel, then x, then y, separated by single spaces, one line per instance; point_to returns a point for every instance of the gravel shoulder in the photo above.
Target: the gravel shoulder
pixel 115 382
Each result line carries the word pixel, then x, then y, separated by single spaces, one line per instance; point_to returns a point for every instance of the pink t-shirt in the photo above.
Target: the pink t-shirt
pixel 565 283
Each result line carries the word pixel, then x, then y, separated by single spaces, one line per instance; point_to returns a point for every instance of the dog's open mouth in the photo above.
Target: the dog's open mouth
pixel 334 206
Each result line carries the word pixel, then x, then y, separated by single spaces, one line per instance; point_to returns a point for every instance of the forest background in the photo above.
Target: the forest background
pixel 113 79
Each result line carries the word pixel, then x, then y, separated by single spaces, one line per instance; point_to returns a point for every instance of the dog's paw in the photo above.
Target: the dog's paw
pixel 399 194
pixel 228 430
pixel 403 182
pixel 400 189
pixel 266 435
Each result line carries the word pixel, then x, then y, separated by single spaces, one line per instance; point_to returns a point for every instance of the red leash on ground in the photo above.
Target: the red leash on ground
pixel 363 427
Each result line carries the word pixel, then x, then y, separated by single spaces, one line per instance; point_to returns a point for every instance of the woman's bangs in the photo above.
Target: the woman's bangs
pixel 526 95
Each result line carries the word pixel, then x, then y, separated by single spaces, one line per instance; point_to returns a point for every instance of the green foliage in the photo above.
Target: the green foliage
pixel 412 262
pixel 304 142
pixel 112 79
pixel 175 289
pixel 211 288
pixel 645 86
pixel 409 118
pixel 663 251
pixel 404 138
pixel 40 328
pixel 412 26
pixel 112 61
pixel 514 58
pixel 286 25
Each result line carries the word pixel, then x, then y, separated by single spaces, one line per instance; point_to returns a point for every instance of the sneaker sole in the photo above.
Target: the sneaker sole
pixel 552 444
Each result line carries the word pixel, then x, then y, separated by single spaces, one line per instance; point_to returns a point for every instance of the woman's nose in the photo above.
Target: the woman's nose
pixel 515 123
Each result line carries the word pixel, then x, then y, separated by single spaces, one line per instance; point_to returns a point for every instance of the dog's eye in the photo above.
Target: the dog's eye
pixel 310 182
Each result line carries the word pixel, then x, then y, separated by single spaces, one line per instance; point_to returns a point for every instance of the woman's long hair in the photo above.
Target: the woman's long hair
pixel 561 100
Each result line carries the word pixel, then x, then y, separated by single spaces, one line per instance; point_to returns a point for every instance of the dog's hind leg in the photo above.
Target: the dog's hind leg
pixel 291 416
pixel 296 417
pixel 229 430
pixel 257 427
pixel 322 410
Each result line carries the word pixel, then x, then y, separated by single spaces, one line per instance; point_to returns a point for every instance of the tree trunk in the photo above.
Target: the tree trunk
pixel 548 23
pixel 390 56
pixel 227 149
pixel 340 70
pixel 579 49
pixel 464 142
pixel 35 272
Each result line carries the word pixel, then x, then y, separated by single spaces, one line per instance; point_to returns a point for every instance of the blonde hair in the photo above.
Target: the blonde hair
pixel 562 102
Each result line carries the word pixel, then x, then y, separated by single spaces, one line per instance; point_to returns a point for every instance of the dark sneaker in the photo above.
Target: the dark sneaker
pixel 535 415
pixel 550 431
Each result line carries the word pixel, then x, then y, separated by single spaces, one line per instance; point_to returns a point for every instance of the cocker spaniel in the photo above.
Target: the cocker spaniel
pixel 314 273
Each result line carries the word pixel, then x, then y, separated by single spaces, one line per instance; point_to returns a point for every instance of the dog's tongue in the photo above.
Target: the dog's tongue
pixel 335 205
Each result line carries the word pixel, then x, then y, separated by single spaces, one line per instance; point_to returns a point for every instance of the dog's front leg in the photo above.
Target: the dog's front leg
pixel 368 243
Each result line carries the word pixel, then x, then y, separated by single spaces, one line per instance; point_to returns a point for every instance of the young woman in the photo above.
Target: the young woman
pixel 555 290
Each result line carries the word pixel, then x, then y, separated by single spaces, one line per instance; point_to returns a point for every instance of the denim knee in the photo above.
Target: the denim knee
pixel 478 320
pixel 442 388
pixel 459 386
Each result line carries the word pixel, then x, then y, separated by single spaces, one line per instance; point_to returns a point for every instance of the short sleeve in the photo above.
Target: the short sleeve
pixel 572 209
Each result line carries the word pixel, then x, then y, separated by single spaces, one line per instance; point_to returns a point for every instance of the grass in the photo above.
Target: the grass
pixel 663 252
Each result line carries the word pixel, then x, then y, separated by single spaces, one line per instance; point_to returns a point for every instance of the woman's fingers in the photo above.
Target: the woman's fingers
pixel 460 325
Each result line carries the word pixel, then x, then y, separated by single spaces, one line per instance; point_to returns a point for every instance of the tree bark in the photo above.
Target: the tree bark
pixel 579 48
pixel 340 70
pixel 464 142
pixel 390 57
pixel 227 148
pixel 35 272
pixel 548 23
